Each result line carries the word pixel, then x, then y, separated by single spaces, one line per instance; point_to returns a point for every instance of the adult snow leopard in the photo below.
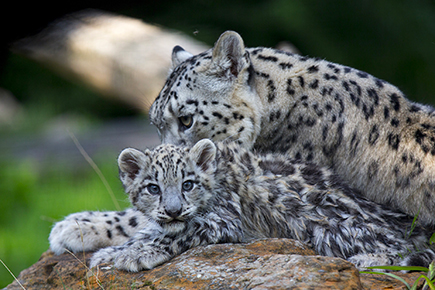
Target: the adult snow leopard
pixel 273 101
pixel 186 197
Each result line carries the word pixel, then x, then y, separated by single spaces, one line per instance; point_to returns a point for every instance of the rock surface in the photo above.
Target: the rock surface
pixel 266 264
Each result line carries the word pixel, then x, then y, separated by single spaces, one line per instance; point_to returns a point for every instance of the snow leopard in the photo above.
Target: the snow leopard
pixel 184 197
pixel 362 127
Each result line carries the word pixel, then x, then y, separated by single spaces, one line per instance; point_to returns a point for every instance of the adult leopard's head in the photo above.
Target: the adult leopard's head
pixel 209 95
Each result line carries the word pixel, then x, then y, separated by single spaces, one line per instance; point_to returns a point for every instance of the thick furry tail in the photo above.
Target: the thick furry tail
pixel 423 258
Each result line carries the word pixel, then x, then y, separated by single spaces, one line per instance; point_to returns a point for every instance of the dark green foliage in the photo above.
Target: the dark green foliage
pixel 392 40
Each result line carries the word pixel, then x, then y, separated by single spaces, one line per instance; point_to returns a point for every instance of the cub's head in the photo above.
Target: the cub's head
pixel 170 184
pixel 209 96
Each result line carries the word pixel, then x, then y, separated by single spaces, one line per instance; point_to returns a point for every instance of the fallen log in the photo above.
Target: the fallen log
pixel 118 56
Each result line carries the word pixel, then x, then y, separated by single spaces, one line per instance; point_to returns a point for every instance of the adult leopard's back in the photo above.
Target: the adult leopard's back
pixel 363 127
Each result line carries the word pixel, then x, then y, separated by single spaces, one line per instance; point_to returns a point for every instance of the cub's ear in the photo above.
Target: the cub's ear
pixel 229 54
pixel 203 154
pixel 179 55
pixel 131 161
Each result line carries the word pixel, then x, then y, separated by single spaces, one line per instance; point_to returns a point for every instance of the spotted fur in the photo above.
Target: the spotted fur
pixel 91 230
pixel 362 127
pixel 226 194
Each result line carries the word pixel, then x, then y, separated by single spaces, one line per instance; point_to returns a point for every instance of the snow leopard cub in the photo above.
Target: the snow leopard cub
pixel 222 193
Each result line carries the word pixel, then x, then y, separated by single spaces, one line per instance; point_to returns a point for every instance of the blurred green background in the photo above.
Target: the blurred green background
pixel 391 39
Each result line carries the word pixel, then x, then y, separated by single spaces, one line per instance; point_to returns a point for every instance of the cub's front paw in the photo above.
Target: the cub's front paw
pixel 104 256
pixel 130 258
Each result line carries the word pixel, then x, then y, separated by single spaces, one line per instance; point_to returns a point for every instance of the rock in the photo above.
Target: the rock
pixel 265 264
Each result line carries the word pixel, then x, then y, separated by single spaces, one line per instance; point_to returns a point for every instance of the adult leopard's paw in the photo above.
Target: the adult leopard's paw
pixel 361 261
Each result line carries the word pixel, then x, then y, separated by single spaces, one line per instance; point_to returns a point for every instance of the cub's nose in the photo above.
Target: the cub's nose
pixel 172 203
pixel 173 212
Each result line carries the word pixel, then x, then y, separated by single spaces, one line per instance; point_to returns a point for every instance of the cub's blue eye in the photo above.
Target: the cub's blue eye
pixel 153 189
pixel 187 185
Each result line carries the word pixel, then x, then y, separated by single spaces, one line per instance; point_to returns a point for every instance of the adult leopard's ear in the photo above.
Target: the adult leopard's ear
pixel 229 57
pixel 203 154
pixel 179 55
pixel 130 162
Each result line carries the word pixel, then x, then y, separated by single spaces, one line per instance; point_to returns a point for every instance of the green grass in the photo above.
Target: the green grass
pixel 429 278
pixel 33 197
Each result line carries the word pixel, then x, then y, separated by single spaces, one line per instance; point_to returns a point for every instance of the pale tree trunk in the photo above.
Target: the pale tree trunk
pixel 117 56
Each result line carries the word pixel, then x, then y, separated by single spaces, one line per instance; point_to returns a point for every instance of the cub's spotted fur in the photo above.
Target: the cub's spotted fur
pixel 362 127
pixel 225 194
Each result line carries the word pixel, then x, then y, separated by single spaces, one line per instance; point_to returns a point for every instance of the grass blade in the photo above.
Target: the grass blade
pixel 401 268
pixel 390 275
pixel 10 272
pixel 428 282
pixel 97 170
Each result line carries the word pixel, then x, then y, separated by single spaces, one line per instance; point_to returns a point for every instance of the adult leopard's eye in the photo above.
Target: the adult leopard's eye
pixel 187 185
pixel 153 189
pixel 186 121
